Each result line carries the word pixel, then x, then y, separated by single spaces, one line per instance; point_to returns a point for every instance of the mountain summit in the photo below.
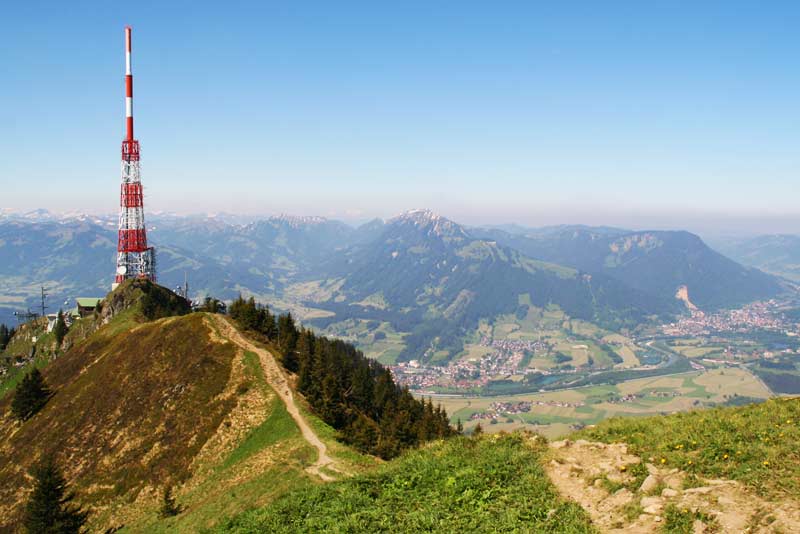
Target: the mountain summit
pixel 430 223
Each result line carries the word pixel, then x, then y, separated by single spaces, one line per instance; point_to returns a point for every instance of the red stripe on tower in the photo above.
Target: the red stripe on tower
pixel 132 240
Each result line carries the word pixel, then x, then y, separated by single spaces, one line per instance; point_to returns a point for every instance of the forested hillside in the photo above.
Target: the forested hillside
pixel 352 393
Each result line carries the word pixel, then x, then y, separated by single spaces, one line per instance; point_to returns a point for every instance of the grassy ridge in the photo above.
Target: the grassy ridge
pixel 491 484
pixel 754 444
pixel 277 427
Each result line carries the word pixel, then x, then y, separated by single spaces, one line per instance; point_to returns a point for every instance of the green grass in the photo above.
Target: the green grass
pixel 277 427
pixel 15 374
pixel 681 521
pixel 491 484
pixel 754 444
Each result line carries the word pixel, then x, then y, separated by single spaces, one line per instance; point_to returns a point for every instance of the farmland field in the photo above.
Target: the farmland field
pixel 556 413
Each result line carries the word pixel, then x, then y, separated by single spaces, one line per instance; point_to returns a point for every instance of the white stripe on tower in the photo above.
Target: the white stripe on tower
pixel 128 50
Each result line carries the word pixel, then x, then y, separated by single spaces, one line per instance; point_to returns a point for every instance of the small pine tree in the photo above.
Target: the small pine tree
pixel 5 336
pixel 459 426
pixel 31 394
pixel 478 430
pixel 50 508
pixel 60 329
pixel 169 507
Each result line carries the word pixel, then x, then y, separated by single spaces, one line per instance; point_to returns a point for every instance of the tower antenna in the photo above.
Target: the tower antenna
pixel 134 258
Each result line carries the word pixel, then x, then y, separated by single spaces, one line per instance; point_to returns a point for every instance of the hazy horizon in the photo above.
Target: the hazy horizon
pixel 712 227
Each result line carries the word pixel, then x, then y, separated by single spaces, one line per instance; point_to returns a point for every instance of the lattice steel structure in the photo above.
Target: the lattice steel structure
pixel 134 258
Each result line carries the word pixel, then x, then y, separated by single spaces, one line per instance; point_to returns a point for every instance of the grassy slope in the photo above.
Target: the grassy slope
pixel 755 444
pixel 267 461
pixel 119 417
pixel 491 484
pixel 139 406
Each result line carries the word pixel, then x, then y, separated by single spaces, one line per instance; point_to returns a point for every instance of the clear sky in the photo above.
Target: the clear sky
pixel 663 114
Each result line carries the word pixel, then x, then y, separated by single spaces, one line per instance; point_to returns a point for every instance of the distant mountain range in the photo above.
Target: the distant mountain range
pixel 429 276
pixel 776 254
pixel 429 279
pixel 655 262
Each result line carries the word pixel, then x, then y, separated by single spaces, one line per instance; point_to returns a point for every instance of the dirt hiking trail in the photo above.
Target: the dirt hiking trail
pixel 277 379
pixel 585 472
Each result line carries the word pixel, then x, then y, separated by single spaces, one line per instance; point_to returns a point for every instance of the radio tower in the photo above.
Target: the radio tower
pixel 134 258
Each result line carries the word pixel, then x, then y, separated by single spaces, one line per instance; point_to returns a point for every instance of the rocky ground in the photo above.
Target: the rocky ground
pixel 622 493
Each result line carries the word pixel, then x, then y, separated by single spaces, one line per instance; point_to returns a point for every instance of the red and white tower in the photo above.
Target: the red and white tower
pixel 134 258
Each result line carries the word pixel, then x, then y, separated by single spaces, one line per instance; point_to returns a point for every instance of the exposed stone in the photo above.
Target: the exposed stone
pixel 702 490
pixel 653 470
pixel 650 483
pixel 698 527
pixel 716 482
pixel 674 482
pixel 652 505
pixel 669 493
pixel 560 444
pixel 614 476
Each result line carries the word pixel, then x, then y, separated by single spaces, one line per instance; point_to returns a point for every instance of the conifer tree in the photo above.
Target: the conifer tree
pixel 478 430
pixel 169 507
pixel 31 394
pixel 287 341
pixel 305 359
pixel 60 329
pixel 459 426
pixel 50 508
pixel 5 336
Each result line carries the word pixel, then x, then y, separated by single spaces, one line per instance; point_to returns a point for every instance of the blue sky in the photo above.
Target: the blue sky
pixel 661 114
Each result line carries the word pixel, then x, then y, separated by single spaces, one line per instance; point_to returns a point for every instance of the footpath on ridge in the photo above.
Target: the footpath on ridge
pixel 279 382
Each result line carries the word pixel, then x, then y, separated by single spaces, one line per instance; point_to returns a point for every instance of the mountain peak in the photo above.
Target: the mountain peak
pixel 297 221
pixel 433 223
